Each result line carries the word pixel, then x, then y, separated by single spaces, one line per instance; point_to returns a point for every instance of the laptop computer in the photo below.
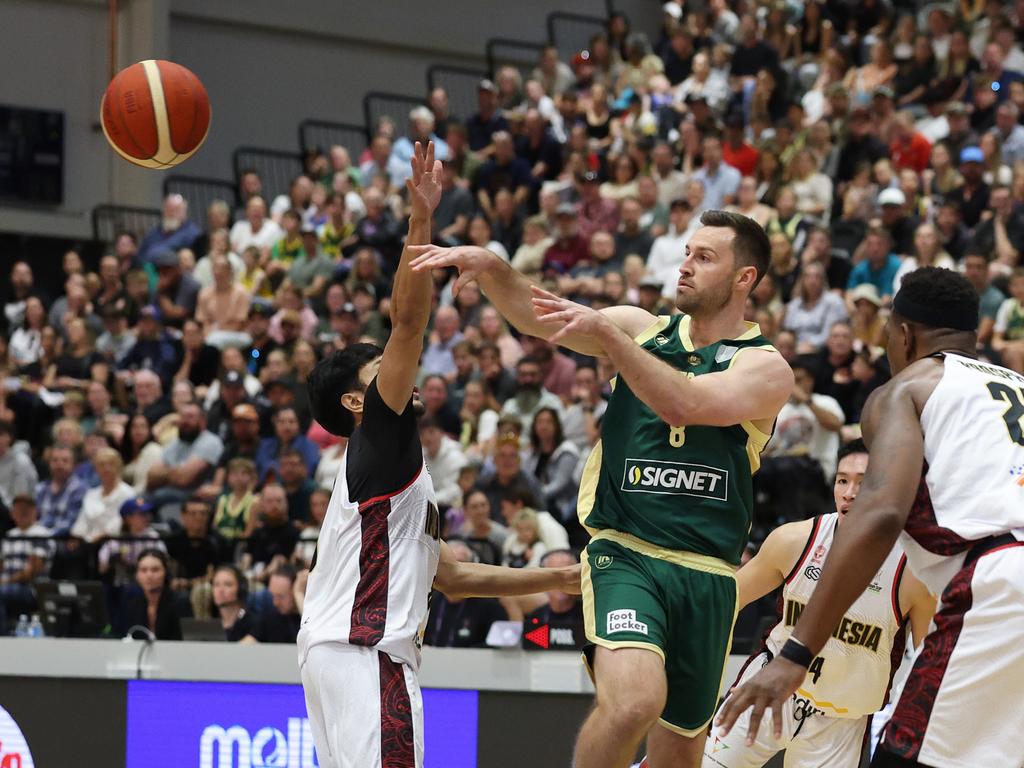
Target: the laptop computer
pixel 202 630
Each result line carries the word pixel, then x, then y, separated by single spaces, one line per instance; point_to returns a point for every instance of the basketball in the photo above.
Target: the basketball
pixel 155 113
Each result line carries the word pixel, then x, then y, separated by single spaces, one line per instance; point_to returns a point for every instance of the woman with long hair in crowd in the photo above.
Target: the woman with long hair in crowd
pixel 228 594
pixel 769 176
pixel 623 182
pixel 73 368
pixel 813 309
pixel 366 270
pixel 551 460
pixel 479 417
pixel 598 120
pixel 814 32
pixel 928 252
pixel 25 344
pixel 942 177
pixel 863 81
pixel 813 188
pixel 154 605
pixel 996 172
pixel 140 452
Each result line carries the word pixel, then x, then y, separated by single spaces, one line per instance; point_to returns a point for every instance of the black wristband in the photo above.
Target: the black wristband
pixel 797 652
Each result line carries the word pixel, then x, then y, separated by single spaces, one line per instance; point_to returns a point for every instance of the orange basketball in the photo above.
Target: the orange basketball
pixel 155 113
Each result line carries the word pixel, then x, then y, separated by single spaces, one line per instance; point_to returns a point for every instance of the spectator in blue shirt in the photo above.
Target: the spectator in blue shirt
pixel 437 357
pixel 879 266
pixel 286 436
pixel 720 181
pixel 174 232
pixel 59 499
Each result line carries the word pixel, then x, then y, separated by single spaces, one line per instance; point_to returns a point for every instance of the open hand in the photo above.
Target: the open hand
pixel 470 260
pixel 425 183
pixel 768 689
pixel 575 318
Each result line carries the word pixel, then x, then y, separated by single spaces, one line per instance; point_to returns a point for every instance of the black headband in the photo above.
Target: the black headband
pixel 958 318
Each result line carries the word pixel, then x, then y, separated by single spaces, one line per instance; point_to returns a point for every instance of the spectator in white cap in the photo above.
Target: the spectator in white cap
pixel 892 204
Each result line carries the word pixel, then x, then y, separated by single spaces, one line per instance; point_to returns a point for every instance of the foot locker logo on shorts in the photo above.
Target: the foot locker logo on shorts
pixel 625 621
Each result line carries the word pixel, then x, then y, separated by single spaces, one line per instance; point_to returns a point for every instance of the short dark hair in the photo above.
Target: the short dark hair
pixel 850 448
pixel 517 493
pixel 429 422
pixel 527 360
pixel 331 378
pixel 805 363
pixel 198 501
pixel 292 453
pixel 750 244
pixel 935 287
pixel 286 570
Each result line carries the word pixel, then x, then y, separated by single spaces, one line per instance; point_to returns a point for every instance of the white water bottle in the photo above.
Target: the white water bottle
pixel 21 629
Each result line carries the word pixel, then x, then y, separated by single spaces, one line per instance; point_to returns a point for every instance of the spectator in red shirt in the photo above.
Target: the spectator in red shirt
pixel 908 148
pixel 569 247
pixel 735 150
pixel 595 212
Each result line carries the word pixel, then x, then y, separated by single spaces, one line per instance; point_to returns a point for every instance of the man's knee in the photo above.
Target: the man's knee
pixel 632 711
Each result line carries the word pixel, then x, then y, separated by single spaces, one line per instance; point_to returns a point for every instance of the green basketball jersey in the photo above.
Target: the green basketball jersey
pixel 677 488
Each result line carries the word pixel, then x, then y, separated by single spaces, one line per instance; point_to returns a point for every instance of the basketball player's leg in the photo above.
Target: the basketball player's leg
pixel 668 749
pixel 702 609
pixel 961 705
pixel 625 622
pixel 365 709
pixel 630 695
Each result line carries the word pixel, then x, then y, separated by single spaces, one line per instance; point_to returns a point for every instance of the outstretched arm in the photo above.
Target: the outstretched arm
pixel 768 568
pixel 717 399
pixel 460 580
pixel 892 428
pixel 411 294
pixel 510 292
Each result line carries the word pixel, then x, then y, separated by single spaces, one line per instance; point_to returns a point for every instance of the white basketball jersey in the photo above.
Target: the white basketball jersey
pixel 972 484
pixel 374 569
pixel 851 676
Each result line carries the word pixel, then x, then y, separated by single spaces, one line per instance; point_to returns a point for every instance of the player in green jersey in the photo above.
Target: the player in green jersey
pixel 667 493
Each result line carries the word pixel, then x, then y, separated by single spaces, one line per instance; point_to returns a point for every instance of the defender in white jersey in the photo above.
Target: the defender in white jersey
pixel 826 719
pixel 947 440
pixel 379 552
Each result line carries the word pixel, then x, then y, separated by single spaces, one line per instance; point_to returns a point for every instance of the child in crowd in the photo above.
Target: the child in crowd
pixel 524 549
pixel 233 517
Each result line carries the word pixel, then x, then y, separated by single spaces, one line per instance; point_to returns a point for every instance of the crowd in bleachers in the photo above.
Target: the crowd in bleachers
pixel 155 430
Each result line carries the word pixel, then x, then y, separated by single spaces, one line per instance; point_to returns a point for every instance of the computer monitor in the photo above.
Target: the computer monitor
pixel 73 608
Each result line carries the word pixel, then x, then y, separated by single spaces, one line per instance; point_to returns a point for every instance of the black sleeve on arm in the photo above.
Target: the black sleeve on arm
pixel 384 454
